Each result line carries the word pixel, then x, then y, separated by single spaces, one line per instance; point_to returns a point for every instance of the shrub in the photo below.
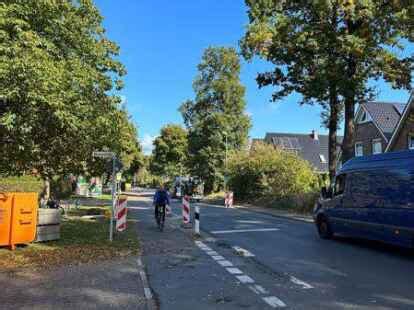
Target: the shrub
pixel 272 174
pixel 21 184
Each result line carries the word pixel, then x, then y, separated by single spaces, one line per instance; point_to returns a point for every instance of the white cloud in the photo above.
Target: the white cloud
pixel 147 144
pixel 248 113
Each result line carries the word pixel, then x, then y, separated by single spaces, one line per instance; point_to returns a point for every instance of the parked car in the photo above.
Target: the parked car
pixel 372 198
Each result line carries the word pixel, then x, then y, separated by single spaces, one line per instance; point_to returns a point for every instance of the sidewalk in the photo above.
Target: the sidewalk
pixel 112 284
pixel 270 211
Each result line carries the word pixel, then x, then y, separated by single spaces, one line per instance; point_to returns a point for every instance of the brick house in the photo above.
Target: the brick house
pixel 403 135
pixel 375 124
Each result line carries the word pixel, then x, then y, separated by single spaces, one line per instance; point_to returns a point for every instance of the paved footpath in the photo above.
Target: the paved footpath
pixel 108 285
pixel 251 260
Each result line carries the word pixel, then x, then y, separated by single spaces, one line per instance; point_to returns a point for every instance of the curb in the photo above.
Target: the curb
pixel 151 305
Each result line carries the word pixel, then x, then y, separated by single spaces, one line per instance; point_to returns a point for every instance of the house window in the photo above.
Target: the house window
pixel 376 146
pixel 411 142
pixel 359 149
pixel 322 158
pixel 363 118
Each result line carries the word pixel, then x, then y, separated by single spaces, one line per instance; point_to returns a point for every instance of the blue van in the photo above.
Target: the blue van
pixel 372 198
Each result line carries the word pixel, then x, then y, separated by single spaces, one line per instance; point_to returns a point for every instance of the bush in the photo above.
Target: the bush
pixel 21 184
pixel 274 175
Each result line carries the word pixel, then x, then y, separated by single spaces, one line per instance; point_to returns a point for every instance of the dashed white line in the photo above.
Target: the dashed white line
pixel 212 253
pixel 274 302
pixel 147 292
pixel 245 279
pixel 243 230
pixel 260 289
pixel 234 270
pixel 225 263
pixel 304 285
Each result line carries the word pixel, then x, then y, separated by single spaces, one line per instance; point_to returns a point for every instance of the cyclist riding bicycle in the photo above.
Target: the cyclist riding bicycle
pixel 161 200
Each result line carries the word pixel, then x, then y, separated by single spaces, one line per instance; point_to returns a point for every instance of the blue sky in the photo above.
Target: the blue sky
pixel 161 44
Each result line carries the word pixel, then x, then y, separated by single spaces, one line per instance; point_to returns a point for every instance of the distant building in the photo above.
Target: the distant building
pixel 311 147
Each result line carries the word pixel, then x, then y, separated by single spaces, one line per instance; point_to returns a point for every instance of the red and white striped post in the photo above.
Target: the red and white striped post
pixel 186 210
pixel 121 213
pixel 228 200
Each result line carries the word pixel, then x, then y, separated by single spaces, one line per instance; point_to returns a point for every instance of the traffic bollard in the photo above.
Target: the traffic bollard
pixel 186 210
pixel 197 220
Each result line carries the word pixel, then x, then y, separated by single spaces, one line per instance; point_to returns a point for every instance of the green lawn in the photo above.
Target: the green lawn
pixel 82 241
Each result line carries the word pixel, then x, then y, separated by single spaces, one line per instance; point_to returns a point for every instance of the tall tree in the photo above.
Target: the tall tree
pixel 57 74
pixel 216 118
pixel 328 50
pixel 170 152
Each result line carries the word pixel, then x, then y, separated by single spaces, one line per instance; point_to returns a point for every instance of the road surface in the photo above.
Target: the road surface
pixel 248 260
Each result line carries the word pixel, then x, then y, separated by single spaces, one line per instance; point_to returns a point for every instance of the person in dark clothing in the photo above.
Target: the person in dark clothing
pixel 161 199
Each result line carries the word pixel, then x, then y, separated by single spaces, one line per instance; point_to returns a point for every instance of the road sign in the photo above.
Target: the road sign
pixel 103 154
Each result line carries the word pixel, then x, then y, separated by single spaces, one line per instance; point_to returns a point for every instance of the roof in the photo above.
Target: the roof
pixel 401 122
pixel 385 115
pixel 306 147
pixel 404 159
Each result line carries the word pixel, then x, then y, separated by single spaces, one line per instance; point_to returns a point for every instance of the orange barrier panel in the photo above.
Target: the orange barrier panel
pixel 18 218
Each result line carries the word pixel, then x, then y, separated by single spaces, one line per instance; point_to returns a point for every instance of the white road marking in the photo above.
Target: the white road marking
pixel 147 292
pixel 245 279
pixel 225 263
pixel 250 222
pixel 243 230
pixel 210 239
pixel 234 270
pixel 242 252
pixel 260 289
pixel 274 302
pixel 212 253
pixel 139 208
pixel 304 285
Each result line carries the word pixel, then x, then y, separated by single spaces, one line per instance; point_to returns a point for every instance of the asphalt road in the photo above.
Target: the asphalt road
pixel 277 263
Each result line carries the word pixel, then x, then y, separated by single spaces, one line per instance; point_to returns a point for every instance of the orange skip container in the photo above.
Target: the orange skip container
pixel 18 218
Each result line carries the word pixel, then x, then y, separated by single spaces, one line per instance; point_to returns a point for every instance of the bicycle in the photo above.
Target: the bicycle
pixel 160 218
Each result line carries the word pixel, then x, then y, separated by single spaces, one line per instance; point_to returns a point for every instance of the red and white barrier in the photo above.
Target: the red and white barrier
pixel 121 213
pixel 186 209
pixel 228 200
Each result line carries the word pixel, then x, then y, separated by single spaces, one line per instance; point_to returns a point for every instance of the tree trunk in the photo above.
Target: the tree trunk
pixel 348 143
pixel 333 127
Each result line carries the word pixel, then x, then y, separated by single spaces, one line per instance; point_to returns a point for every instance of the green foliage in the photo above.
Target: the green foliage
pixel 170 152
pixel 331 48
pixel 58 74
pixel 272 174
pixel 217 112
pixel 21 184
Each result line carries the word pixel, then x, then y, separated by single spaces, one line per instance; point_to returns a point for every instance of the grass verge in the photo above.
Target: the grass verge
pixel 82 241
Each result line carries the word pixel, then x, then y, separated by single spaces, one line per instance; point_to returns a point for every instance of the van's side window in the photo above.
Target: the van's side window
pixel 340 184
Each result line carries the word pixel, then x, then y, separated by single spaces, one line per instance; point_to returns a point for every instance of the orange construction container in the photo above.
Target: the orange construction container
pixel 18 218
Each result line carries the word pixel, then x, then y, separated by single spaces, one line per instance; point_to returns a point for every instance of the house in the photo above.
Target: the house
pixel 383 127
pixel 312 147
pixel 375 123
pixel 403 136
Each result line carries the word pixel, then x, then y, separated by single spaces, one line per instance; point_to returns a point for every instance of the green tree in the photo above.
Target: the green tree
pixel 329 50
pixel 58 74
pixel 170 152
pixel 215 115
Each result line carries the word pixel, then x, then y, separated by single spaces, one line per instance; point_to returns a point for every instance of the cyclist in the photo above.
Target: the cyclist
pixel 161 199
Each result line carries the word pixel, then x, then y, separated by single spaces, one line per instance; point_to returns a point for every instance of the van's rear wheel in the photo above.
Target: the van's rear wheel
pixel 324 229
